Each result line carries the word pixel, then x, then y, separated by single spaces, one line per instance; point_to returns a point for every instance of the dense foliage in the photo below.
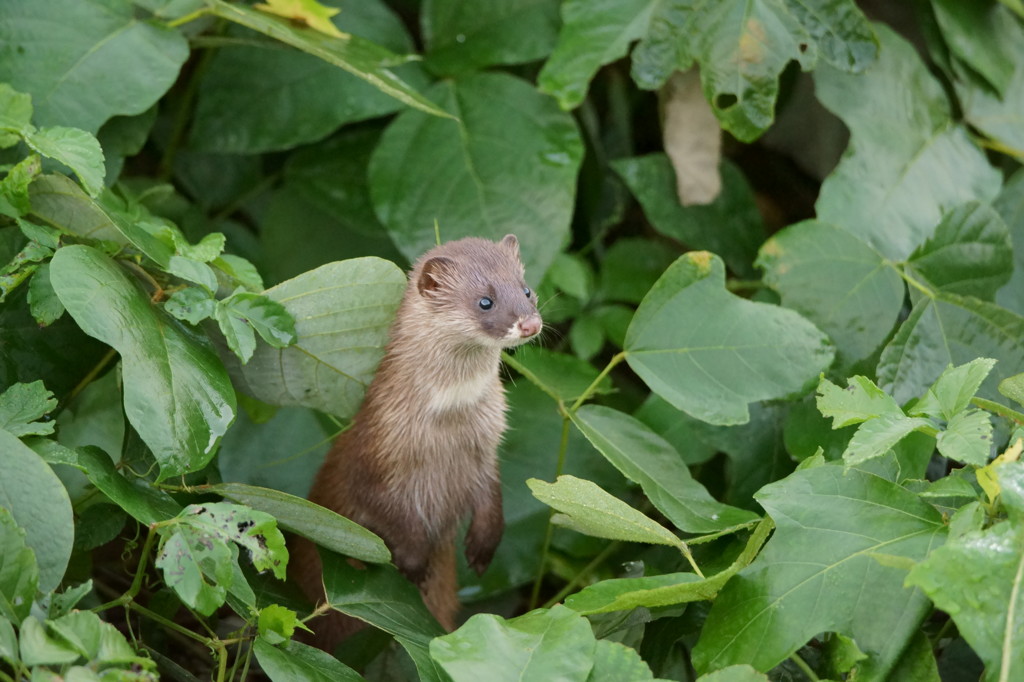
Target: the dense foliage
pixel 772 431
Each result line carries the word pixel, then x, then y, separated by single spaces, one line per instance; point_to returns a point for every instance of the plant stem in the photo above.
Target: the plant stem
pixel 546 547
pixel 136 586
pixel 802 664
pixel 175 23
pixel 170 624
pixel 999 409
pixel 619 357
pixel 587 570
pixel 93 373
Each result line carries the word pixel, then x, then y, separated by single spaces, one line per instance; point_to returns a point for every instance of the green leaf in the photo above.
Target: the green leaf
pixel 39 503
pixel 57 200
pixel 342 313
pixel 277 624
pixel 185 559
pixel 381 596
pixel 22 405
pixel 950 330
pixel 741 47
pixel 1013 388
pixel 817 574
pixel 734 673
pixel 192 304
pixel 645 458
pixel 975 32
pixel 296 662
pixel 15 114
pixel 967 438
pixel 256 97
pixel 176 393
pixel 98 642
pixel 193 271
pixel 266 316
pixel 464 172
pixel 838 282
pixel 594 33
pixel 620 594
pixel 730 226
pixel 463 36
pixel 631 266
pixel 880 435
pixel 42 299
pixel 254 531
pixel 19 574
pixel 859 402
pixel 546 644
pixel 710 353
pixel 68 74
pixel 1010 204
pixel 588 509
pixel 240 337
pixel 977 579
pixel 969 254
pixel 39 648
pixel 8 642
pixel 144 503
pixel 891 187
pixel 321 525
pixel 563 377
pixel 952 391
pixel 76 149
pixel 14 201
pixel 614 661
pixel 360 57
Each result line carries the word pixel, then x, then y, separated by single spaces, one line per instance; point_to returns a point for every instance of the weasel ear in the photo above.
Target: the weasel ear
pixel 510 242
pixel 433 273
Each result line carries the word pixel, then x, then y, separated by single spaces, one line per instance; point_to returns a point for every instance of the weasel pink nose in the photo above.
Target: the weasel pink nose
pixel 530 326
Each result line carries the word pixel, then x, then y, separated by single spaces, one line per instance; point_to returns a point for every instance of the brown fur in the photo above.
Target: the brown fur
pixel 422 451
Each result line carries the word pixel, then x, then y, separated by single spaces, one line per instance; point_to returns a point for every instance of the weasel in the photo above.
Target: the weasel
pixel 421 454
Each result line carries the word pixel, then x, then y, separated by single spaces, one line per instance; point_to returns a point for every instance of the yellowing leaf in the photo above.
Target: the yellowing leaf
pixel 987 475
pixel 305 12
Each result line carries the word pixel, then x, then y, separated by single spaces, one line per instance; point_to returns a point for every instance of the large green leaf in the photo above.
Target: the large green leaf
pixel 1010 204
pixel 38 502
pixel 710 353
pixel 838 282
pixel 981 34
pixel 255 98
pixel 948 330
pixel 645 458
pixel 507 165
pixel 978 579
pixel 362 58
pixel 742 47
pixel 619 594
pixel 176 392
pixel 19 573
pixel 146 504
pixel 730 226
pixel 546 644
pixel 969 254
pixel 297 662
pixel 342 313
pixel 57 200
pixel 463 35
pixel 586 508
pixel 322 526
pixel 563 377
pixel 64 52
pixel 381 596
pixel 818 573
pixel 594 33
pixel 894 183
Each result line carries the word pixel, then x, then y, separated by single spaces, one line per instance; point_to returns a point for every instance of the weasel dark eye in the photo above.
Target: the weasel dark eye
pixel 526 290
pixel 486 303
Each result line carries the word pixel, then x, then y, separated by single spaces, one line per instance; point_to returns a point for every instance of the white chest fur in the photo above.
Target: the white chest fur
pixel 468 391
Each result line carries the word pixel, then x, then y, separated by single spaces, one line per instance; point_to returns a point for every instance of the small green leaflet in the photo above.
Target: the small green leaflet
pixel 22 405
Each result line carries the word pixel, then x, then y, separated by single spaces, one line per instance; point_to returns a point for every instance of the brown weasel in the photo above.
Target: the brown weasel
pixel 421 454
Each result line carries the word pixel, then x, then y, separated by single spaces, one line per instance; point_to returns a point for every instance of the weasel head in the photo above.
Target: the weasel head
pixel 473 290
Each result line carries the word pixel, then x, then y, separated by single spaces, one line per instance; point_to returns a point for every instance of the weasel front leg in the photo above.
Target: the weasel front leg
pixel 486 528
